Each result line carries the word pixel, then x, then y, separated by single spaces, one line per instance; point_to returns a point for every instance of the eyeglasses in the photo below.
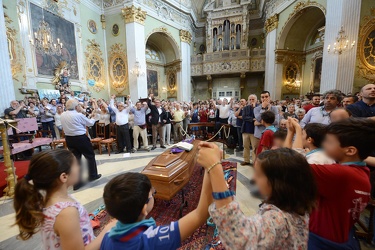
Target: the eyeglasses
pixel 152 196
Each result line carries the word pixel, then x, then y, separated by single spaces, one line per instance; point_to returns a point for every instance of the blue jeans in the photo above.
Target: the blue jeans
pixel 48 126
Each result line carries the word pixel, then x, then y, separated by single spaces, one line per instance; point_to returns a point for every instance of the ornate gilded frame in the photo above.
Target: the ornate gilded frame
pixel 118 61
pixel 95 65
pixel 367 70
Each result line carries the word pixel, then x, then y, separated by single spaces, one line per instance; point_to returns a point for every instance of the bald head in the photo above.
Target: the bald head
pixel 71 104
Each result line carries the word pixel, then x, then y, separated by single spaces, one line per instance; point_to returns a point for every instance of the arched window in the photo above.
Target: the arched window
pixel 238 36
pixel 214 35
pixel 220 44
pixel 232 28
pixel 226 35
pixel 220 30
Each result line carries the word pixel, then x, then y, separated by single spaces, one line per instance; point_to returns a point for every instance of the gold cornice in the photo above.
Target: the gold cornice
pixel 133 14
pixel 271 23
pixel 185 36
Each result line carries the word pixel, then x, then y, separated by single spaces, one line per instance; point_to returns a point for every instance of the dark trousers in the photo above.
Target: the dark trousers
pixel 239 136
pixel 123 138
pixel 157 129
pixel 46 126
pixel 81 145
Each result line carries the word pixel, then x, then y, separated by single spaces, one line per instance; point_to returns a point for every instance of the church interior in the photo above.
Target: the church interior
pixel 198 56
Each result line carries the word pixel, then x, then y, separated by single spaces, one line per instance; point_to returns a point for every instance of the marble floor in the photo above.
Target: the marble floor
pixel 91 194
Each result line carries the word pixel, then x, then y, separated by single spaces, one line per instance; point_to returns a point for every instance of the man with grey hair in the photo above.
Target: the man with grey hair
pixel 74 124
pixel 332 99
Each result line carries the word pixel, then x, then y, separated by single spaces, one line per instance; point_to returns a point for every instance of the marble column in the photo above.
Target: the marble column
pixel 136 50
pixel 338 70
pixel 270 83
pixel 184 87
pixel 6 83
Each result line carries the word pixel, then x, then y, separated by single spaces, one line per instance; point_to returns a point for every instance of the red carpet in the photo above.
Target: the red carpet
pixel 21 170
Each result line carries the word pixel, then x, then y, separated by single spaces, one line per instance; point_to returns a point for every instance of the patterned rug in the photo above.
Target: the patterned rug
pixel 166 211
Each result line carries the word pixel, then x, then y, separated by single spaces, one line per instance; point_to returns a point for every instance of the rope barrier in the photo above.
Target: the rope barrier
pixel 185 133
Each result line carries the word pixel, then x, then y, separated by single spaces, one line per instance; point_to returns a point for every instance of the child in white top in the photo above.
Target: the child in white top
pixel 312 137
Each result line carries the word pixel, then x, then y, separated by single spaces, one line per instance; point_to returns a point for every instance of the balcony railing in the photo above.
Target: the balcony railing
pixel 229 61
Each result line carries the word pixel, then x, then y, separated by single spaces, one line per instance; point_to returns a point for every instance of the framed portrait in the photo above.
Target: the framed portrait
pixel 91 24
pixel 115 30
pixel 317 74
pixel 152 82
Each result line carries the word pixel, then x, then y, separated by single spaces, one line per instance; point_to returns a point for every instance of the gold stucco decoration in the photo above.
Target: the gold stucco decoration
pixel 366 51
pixel 94 65
pixel 133 14
pixel 271 23
pixel 185 36
pixel 118 68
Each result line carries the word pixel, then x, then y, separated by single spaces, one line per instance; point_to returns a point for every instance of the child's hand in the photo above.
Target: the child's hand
pixel 208 154
pixel 295 123
pixel 289 125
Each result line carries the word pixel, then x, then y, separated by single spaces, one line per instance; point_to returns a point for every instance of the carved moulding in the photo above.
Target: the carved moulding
pixel 271 23
pixel 94 65
pixel 171 70
pixel 118 68
pixel 366 52
pixel 133 14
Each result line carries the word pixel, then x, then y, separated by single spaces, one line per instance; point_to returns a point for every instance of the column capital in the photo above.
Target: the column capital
pixel 185 36
pixel 133 14
pixel 209 77
pixel 271 23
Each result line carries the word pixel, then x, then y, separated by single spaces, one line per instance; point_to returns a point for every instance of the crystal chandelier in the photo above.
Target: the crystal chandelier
pixel 137 70
pixel 342 43
pixel 43 40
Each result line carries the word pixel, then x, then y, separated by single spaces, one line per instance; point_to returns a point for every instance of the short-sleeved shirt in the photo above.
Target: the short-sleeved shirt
pixel 21 114
pixel 343 193
pixel 266 141
pixel 161 237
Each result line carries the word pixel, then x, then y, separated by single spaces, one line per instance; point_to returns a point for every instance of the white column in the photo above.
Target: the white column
pixel 6 83
pixel 136 50
pixel 270 71
pixel 338 70
pixel 184 85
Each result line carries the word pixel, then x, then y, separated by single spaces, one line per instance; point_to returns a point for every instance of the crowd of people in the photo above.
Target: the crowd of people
pixel 311 161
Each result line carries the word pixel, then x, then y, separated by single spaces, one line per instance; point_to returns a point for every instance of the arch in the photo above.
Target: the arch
pixel 163 40
pixel 310 9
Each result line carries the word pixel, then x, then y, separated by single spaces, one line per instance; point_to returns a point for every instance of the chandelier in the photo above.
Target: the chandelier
pixel 342 43
pixel 43 39
pixel 137 70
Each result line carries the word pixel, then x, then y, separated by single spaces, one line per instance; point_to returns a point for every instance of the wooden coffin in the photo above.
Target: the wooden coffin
pixel 169 173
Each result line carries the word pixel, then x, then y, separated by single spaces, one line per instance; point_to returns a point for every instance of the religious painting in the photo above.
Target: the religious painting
pixel 317 74
pixel 152 82
pixel 91 24
pixel 115 30
pixel 58 32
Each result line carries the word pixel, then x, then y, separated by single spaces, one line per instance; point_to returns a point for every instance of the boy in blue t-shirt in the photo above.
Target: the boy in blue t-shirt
pixel 129 198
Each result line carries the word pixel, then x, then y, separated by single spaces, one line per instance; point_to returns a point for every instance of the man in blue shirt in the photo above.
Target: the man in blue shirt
pixel 365 107
pixel 129 198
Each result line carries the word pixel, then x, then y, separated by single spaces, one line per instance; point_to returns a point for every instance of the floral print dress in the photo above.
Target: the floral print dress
pixel 270 228
pixel 51 241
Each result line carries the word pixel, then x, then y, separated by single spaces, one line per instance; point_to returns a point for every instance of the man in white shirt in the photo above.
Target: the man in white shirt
pixel 74 124
pixel 122 122
pixel 332 99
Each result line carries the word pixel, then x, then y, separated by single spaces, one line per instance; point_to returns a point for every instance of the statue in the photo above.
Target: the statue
pixel 61 77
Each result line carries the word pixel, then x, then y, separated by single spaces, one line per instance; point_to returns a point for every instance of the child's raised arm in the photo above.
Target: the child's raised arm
pixel 192 221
